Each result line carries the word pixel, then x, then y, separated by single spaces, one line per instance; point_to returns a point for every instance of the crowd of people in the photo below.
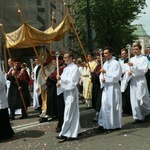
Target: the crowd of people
pixel 108 85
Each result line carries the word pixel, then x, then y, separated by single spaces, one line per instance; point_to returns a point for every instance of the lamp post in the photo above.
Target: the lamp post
pixel 90 43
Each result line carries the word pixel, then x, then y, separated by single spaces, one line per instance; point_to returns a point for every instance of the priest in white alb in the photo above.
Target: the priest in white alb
pixel 110 116
pixel 67 85
pixel 139 95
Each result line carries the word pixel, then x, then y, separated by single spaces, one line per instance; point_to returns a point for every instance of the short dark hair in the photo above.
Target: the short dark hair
pixel 70 53
pixel 138 45
pixel 17 60
pixel 90 53
pixel 124 49
pixel 108 48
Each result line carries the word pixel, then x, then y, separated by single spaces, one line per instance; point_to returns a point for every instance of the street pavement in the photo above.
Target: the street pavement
pixel 32 135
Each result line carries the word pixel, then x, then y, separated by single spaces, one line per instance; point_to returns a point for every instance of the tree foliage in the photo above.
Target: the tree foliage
pixel 111 20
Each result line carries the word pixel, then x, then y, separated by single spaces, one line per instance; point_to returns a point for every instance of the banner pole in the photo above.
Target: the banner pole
pixel 75 31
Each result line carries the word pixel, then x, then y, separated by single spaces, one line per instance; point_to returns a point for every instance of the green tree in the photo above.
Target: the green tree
pixel 111 20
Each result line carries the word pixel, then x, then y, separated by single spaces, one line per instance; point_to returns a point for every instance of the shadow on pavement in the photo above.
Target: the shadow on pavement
pixel 24 135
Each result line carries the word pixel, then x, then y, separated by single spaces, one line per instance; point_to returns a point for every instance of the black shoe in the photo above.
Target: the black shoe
pixel 79 134
pixel 64 140
pixel 99 129
pixel 23 117
pixel 54 117
pixel 61 137
pixel 42 120
pixel 136 121
pixel 112 130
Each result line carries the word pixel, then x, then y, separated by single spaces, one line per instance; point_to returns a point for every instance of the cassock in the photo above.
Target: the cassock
pixel 139 95
pixel 96 91
pixel 111 106
pixel 52 93
pixel 147 75
pixel 126 104
pixel 5 128
pixel 14 98
pixel 68 85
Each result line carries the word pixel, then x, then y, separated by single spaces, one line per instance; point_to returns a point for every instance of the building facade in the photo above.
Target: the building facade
pixel 143 37
pixel 37 13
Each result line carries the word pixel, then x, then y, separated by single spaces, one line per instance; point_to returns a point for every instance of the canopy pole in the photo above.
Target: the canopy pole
pixel 21 95
pixel 27 31
pixel 5 58
pixel 75 31
pixel 51 43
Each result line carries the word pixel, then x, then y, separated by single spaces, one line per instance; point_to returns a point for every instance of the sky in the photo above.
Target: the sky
pixel 144 19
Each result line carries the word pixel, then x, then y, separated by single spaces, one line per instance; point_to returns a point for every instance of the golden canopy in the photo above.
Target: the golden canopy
pixel 26 35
